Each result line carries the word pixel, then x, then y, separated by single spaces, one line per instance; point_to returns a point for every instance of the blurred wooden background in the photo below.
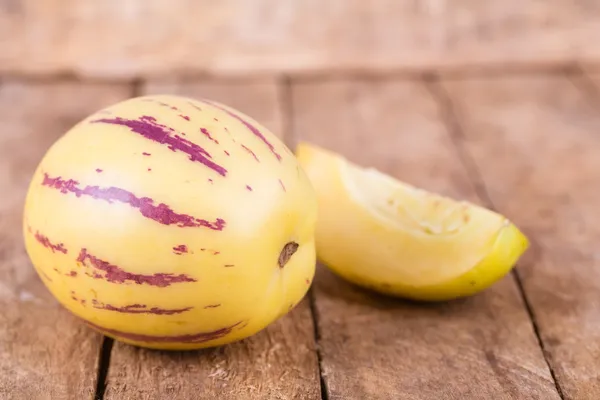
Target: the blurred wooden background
pixel 493 101
pixel 143 38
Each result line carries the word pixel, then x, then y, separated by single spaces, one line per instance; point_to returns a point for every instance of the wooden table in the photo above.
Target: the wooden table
pixel 526 144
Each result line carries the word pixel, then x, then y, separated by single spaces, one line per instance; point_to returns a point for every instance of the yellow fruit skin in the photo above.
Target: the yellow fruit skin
pixel 507 249
pixel 360 249
pixel 160 222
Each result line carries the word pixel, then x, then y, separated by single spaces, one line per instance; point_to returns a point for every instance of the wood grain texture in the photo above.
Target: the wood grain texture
pixel 374 347
pixel 278 363
pixel 45 353
pixel 112 38
pixel 535 142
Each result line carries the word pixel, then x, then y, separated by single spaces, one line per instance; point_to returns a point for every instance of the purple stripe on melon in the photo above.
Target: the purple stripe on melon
pixel 182 248
pixel 184 117
pixel 46 276
pixel 248 125
pixel 46 243
pixel 282 185
pixel 206 133
pixel 249 187
pixel 147 127
pixel 75 298
pixel 163 104
pixel 251 152
pixel 141 309
pixel 160 213
pixel 189 338
pixel 212 306
pixel 115 274
pixel 194 106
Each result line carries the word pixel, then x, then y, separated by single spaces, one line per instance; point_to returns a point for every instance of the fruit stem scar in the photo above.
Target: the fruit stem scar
pixel 288 251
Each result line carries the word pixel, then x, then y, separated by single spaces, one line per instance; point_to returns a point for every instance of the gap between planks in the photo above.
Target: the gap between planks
pixel 317 335
pixel 460 72
pixel 289 137
pixel 454 128
pixel 103 365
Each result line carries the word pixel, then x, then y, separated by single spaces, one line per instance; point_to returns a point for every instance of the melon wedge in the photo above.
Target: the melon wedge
pixel 378 232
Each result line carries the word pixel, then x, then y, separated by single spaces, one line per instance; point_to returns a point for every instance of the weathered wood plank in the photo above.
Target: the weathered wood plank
pixel 277 363
pixel 139 37
pixel 379 348
pixel 535 142
pixel 45 353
